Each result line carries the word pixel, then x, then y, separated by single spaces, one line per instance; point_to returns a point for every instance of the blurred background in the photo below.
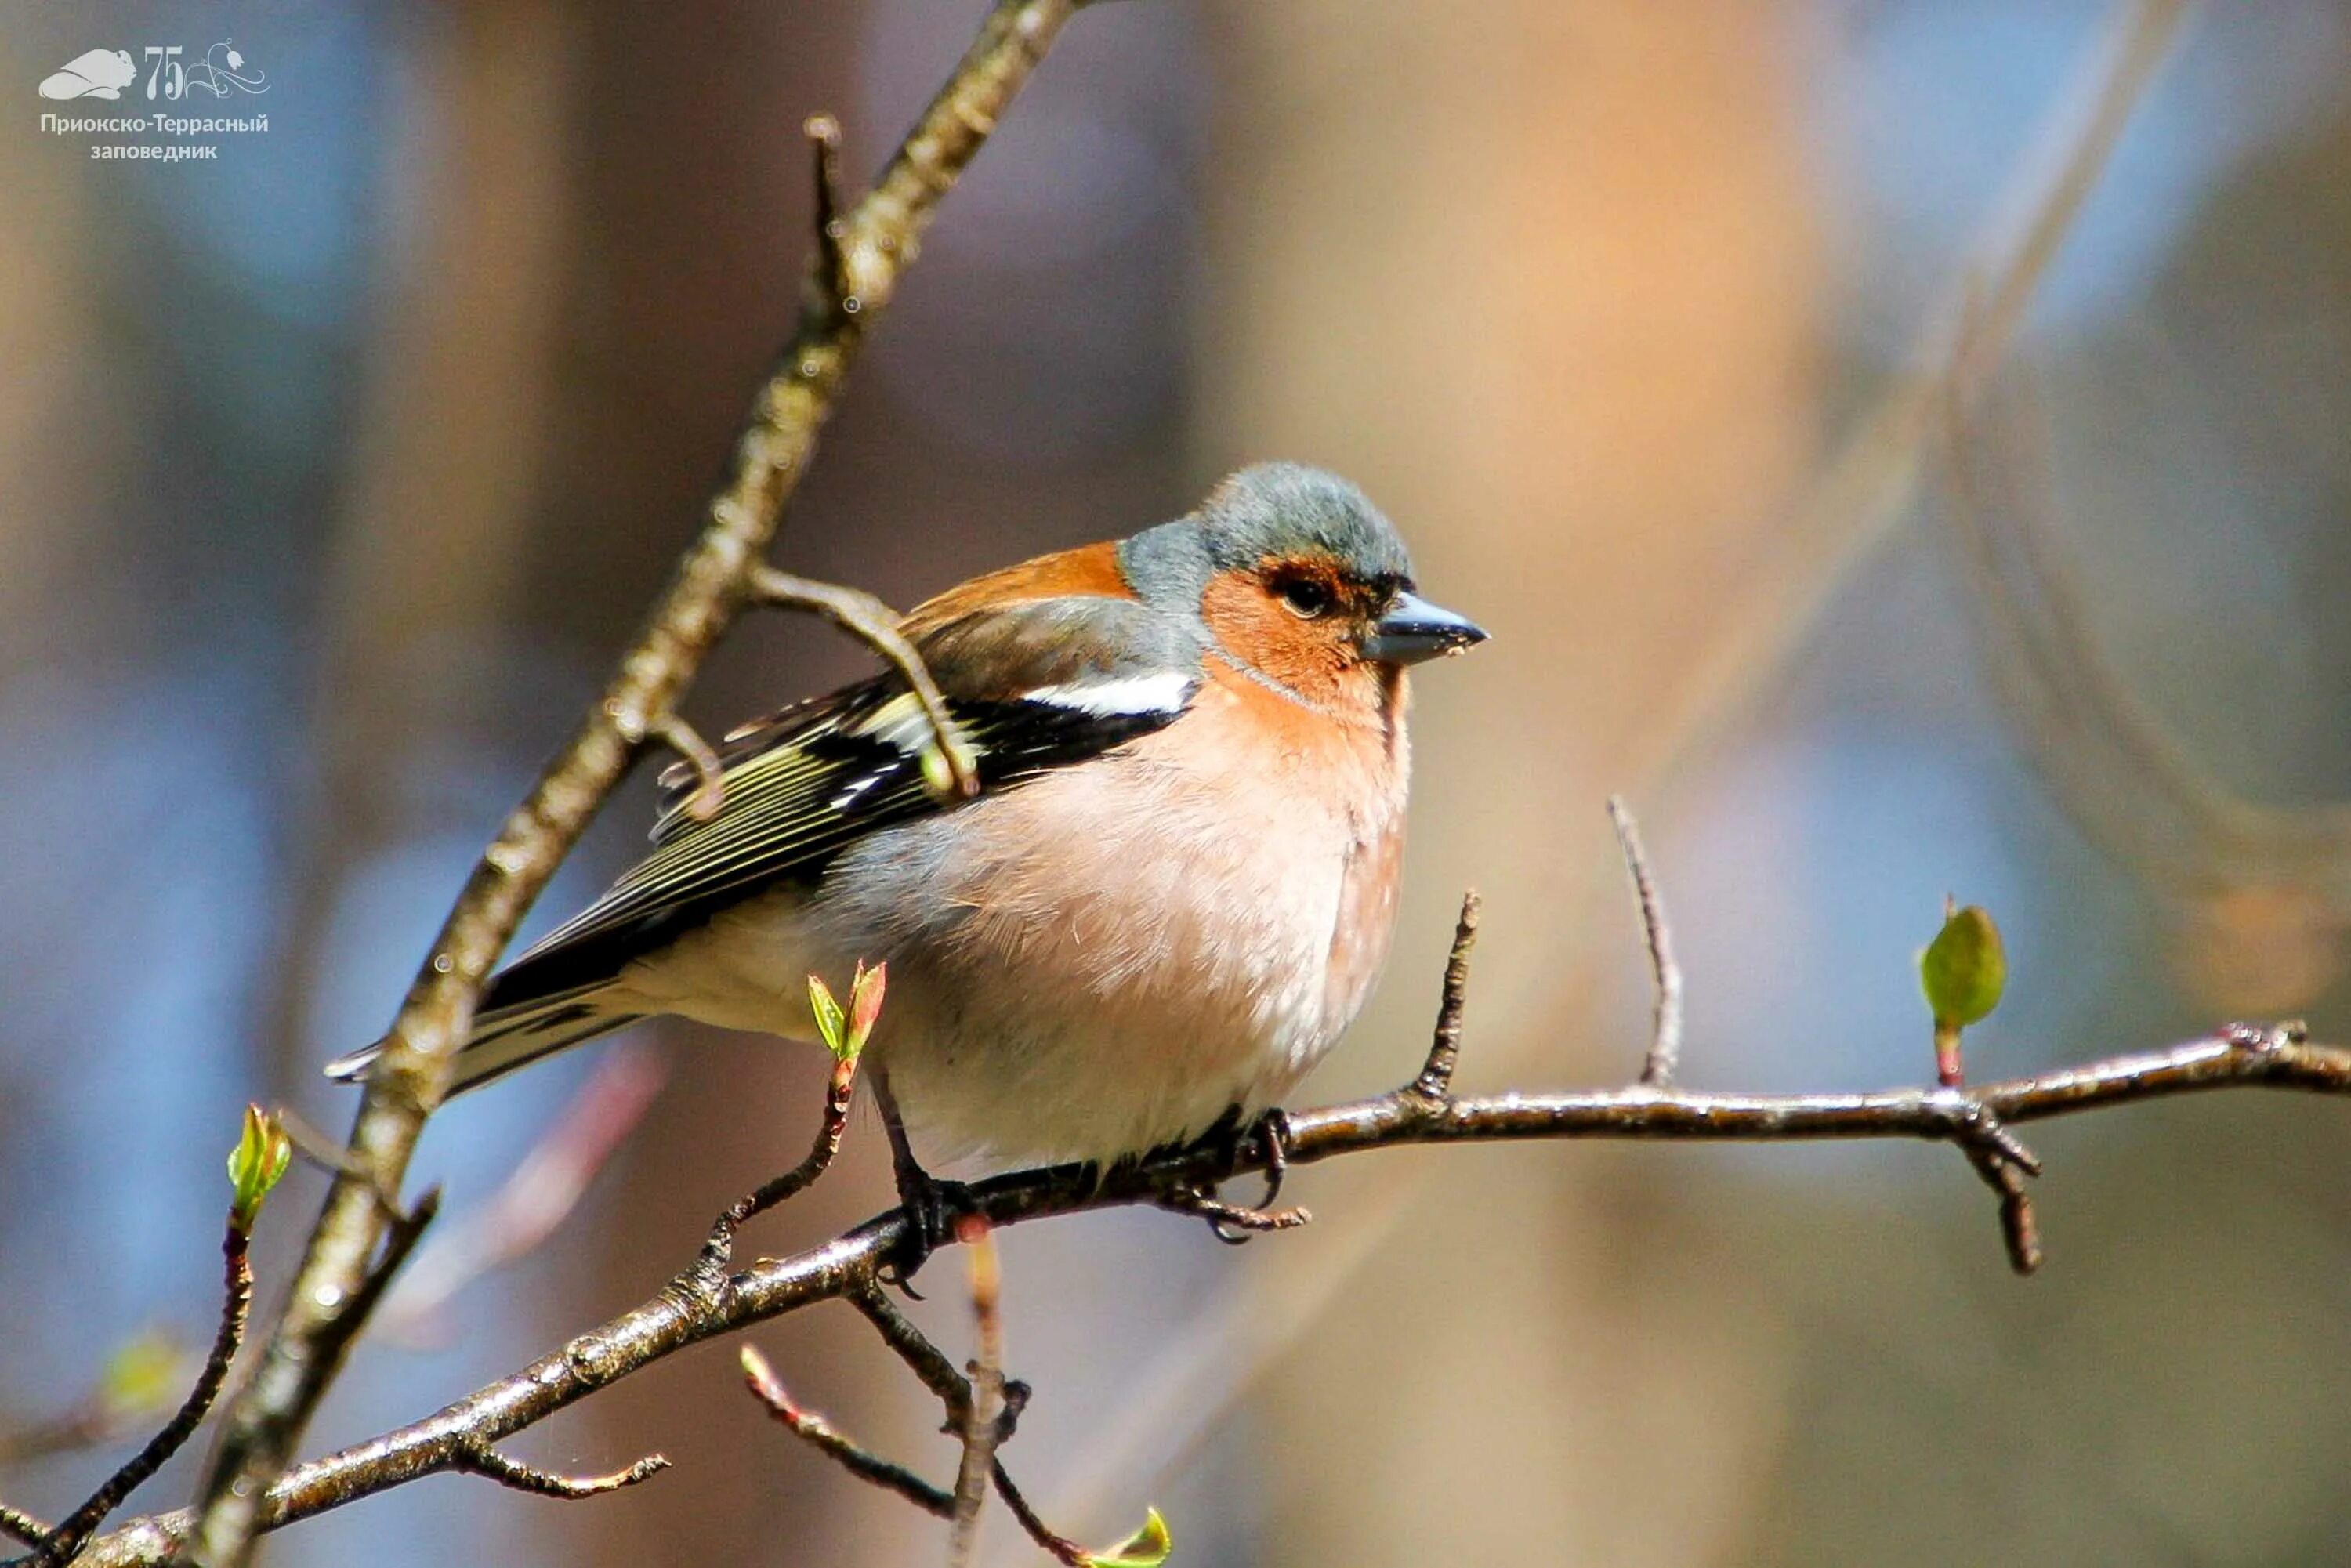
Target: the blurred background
pixel 333 474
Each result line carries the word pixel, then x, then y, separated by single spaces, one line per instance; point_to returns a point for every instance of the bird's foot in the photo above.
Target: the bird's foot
pixel 932 1208
pixel 1266 1139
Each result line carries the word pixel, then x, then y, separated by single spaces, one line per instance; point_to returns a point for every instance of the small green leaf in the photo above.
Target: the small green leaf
pixel 865 993
pixel 143 1374
pixel 831 1023
pixel 937 777
pixel 939 769
pixel 1146 1548
pixel 1963 970
pixel 262 1154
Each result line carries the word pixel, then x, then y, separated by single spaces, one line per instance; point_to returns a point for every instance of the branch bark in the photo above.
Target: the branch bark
pixel 63 1543
pixel 2276 1056
pixel 851 277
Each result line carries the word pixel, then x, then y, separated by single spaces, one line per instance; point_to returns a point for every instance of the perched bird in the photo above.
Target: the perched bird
pixel 1171 895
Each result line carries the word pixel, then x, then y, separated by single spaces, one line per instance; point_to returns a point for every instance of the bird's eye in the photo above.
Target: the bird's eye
pixel 1304 597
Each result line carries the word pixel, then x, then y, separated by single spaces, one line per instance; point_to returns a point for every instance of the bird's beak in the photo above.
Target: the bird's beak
pixel 1413 629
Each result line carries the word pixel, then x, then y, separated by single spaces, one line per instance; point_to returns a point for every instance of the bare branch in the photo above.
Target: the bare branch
pixel 399 1241
pixel 481 1459
pixel 708 1274
pixel 709 774
pixel 869 1467
pixel 2020 1228
pixel 984 1411
pixel 1664 1055
pixel 1433 1087
pixel 329 1294
pixel 322 1153
pixel 2247 1056
pixel 830 275
pixel 236 1297
pixel 23 1525
pixel 980 1434
pixel 875 624
pixel 844 1451
pixel 928 1362
pixel 1059 1546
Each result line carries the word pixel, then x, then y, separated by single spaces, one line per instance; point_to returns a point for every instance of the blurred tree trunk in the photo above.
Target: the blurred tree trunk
pixel 453 433
pixel 1545 281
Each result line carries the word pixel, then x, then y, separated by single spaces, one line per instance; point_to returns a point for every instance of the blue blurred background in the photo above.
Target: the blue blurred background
pixel 334 472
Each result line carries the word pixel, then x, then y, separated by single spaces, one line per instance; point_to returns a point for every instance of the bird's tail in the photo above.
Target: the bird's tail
pixel 510 1037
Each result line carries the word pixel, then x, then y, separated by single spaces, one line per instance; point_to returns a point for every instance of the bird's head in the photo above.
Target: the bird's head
pixel 1294 573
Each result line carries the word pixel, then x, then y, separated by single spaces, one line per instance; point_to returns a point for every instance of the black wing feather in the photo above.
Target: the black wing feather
pixel 808 785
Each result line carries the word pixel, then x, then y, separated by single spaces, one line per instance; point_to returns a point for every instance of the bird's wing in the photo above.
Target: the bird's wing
pixel 1030 688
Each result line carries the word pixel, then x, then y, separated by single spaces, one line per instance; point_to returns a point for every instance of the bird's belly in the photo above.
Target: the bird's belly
pixel 1115 989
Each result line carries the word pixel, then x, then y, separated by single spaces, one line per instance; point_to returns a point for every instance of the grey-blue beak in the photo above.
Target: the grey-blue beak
pixel 1413 629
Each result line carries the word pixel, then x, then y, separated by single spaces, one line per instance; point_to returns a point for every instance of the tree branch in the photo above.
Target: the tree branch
pixel 936 1373
pixel 60 1544
pixel 875 624
pixel 2277 1056
pixel 1665 1056
pixel 707 1276
pixel 481 1459
pixel 1435 1084
pixel 25 1528
pixel 986 1408
pixel 863 262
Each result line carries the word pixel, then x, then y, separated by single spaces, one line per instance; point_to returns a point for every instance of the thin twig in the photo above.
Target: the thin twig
pixel 481 1459
pixel 928 1361
pixel 843 1450
pixel 1665 1053
pixel 2019 1228
pixel 708 1275
pixel 328 1298
pixel 892 1477
pixel 399 1241
pixel 321 1152
pixel 709 795
pixel 15 1522
pixel 1059 1546
pixel 875 624
pixel 1434 1086
pixel 236 1298
pixel 984 1411
pixel 831 273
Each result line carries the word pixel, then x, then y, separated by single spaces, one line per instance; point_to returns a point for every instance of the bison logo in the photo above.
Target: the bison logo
pixel 101 73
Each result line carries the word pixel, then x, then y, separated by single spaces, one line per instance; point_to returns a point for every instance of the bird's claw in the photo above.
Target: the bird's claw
pixel 931 1207
pixel 1264 1139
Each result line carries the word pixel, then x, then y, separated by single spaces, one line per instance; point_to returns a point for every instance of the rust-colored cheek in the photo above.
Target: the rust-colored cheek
pixel 1312 658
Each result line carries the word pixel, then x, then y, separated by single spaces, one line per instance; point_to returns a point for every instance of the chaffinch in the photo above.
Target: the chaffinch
pixel 1170 896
